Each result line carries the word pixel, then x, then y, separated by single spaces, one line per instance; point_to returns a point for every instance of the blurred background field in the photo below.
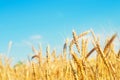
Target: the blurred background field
pixel 73 63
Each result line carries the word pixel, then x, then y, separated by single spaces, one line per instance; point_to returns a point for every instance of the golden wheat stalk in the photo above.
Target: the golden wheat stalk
pixel 90 52
pixel 75 38
pixel 74 70
pixel 109 43
pixel 65 49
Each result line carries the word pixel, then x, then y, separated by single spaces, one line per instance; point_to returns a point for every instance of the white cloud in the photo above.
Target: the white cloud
pixel 35 37
pixel 59 14
pixel 28 42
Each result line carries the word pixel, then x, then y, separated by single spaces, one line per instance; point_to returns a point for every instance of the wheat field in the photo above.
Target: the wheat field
pixel 74 63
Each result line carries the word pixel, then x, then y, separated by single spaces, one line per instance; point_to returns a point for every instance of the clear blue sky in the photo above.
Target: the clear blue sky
pixel 26 22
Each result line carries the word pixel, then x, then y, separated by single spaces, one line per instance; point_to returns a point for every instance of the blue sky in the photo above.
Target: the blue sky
pixel 26 22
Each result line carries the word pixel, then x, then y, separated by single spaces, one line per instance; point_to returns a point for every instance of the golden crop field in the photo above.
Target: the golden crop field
pixel 74 63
